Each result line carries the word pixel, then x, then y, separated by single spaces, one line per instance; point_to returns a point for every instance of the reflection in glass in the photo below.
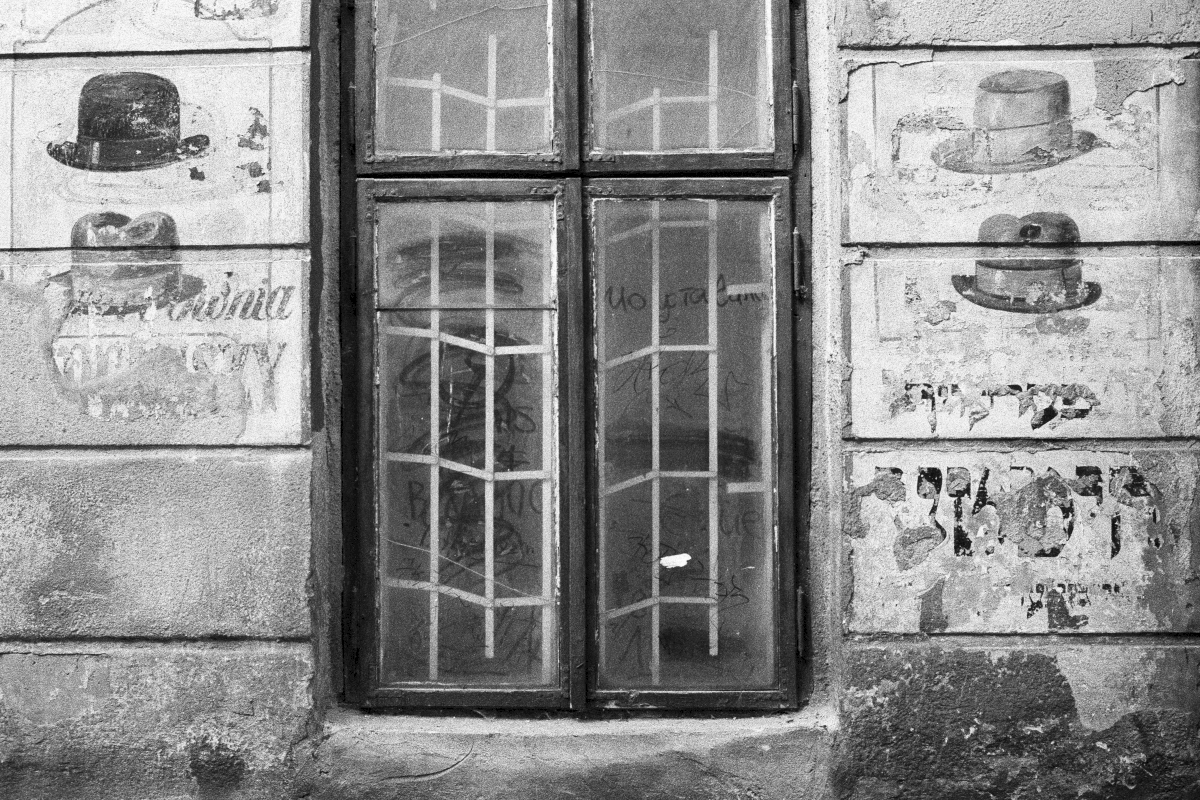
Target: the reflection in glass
pixel 468 435
pixel 466 75
pixel 667 76
pixel 686 418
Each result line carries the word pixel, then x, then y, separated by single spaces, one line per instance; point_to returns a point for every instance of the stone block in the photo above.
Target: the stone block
pixel 938 146
pixel 931 361
pixel 99 26
pixel 1023 542
pixel 872 23
pixel 217 142
pixel 155 721
pixel 924 723
pixel 154 545
pixel 218 356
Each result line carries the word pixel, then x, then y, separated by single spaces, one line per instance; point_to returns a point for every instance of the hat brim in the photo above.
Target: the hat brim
pixel 189 286
pixel 72 155
pixel 965 286
pixel 958 155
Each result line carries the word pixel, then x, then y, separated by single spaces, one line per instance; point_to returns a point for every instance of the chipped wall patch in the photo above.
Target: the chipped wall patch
pixel 1023 542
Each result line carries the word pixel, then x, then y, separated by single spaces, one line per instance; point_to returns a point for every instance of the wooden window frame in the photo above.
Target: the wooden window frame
pixel 778 159
pixel 778 191
pixel 363 684
pixel 368 179
pixel 565 135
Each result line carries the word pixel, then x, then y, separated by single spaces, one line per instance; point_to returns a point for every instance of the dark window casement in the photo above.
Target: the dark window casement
pixel 572 385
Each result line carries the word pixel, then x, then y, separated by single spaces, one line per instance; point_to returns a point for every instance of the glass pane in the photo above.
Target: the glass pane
pixel 463 75
pixel 468 424
pixel 466 254
pixel 667 76
pixel 687 501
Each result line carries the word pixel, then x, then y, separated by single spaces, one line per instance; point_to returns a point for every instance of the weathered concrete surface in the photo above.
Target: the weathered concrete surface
pixel 1135 181
pixel 929 363
pixel 119 723
pixel 1023 542
pixel 373 758
pixel 224 361
pixel 246 184
pixel 879 23
pixel 147 545
pixel 84 26
pixel 1097 722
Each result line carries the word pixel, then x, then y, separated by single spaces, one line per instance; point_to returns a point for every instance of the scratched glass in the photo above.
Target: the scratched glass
pixel 687 507
pixel 672 76
pixel 444 254
pixel 468 431
pixel 463 75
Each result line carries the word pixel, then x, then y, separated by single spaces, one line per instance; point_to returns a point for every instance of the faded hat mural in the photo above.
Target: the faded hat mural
pixel 128 121
pixel 1022 123
pixel 1026 285
pixel 122 265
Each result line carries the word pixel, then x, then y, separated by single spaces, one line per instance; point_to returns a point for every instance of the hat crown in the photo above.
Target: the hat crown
pixel 129 106
pixel 1041 227
pixel 1019 98
pixel 111 230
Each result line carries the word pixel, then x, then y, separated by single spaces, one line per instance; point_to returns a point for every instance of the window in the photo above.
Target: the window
pixel 572 424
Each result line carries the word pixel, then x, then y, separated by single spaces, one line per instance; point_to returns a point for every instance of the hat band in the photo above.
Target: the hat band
pixel 1010 145
pixel 124 152
pixel 1026 283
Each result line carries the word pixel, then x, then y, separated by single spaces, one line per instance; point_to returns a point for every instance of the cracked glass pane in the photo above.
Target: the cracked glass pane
pixel 686 403
pixel 674 76
pixel 463 75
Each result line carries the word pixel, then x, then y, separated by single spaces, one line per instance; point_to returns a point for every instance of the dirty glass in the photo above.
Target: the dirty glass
pixel 465 75
pixel 468 432
pixel 671 76
pixel 685 371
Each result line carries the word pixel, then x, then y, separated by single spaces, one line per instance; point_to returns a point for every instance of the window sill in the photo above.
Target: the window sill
pixel 779 755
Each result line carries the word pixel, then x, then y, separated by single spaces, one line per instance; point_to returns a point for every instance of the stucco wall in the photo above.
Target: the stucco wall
pixel 1001 562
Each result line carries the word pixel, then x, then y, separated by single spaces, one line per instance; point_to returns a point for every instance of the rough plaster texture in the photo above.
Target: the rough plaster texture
pixel 925 723
pixel 881 23
pixel 226 363
pixel 80 26
pixel 930 363
pixel 154 545
pixel 1023 542
pixel 163 721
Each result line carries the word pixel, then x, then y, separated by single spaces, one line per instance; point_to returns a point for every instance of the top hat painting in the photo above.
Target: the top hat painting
pixel 98 26
pixel 937 147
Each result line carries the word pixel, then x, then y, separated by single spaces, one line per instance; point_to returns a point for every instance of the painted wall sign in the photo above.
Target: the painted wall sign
pixel 937 147
pixel 218 142
pixel 87 26
pixel 946 349
pixel 1066 541
pixel 151 344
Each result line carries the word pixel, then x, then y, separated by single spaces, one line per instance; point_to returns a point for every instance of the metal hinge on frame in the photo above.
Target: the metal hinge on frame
pixel 799 287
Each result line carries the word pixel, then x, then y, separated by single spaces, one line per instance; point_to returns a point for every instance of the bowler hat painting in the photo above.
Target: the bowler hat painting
pixel 1022 122
pixel 936 147
pixel 1023 284
pixel 128 121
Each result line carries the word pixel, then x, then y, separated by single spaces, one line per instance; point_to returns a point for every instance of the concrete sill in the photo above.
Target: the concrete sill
pixel 368 755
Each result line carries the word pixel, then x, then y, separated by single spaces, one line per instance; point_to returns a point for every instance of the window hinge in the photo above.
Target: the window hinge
pixel 799 288
pixel 796 116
